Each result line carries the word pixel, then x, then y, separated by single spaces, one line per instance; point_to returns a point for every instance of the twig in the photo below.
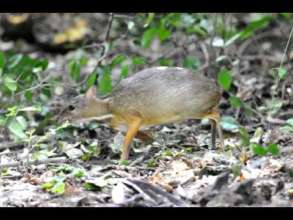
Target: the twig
pixel 206 56
pixel 12 177
pixel 7 145
pixel 106 40
pixel 286 48
pixel 244 46
pixel 110 22
pixel 40 84
pixel 275 121
pixel 261 57
pixel 282 61
pixel 50 160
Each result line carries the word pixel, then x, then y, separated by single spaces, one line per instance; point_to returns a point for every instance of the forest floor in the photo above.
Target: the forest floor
pixel 178 168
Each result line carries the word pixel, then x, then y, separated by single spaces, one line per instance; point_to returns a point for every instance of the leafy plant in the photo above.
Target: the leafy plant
pixel 254 25
pixel 225 79
pixel 76 63
pixel 253 143
pixel 56 185
pixel 262 151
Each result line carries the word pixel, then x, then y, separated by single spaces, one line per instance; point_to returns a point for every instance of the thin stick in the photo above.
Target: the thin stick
pixel 282 60
pixel 106 40
pixel 7 145
pixel 50 160
pixel 110 22
pixel 286 48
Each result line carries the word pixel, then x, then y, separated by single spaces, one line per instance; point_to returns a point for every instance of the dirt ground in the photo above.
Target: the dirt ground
pixel 178 168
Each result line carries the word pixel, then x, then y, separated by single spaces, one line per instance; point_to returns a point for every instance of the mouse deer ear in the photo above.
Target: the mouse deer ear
pixel 91 93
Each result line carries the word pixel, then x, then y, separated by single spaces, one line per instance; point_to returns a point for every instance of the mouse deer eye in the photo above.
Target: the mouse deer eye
pixel 71 107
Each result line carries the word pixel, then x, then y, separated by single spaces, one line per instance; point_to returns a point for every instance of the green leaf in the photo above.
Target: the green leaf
pixel 191 62
pixel 235 102
pixel 47 185
pixel 74 70
pixel 105 82
pixel 244 136
pixel 197 30
pixel 225 79
pixel 12 111
pixel 58 188
pixel 286 15
pixel 229 123
pixel 10 83
pixel 2 121
pixel 166 62
pixel 22 122
pixel 91 186
pixel 28 95
pixel 232 39
pixel 118 60
pixel 258 149
pixel 41 64
pixel 149 19
pixel 2 60
pixel 151 163
pixel 91 79
pixel 138 61
pixel 148 37
pixel 255 25
pixel 124 71
pixel 15 60
pixel 163 33
pixel 78 173
pixel 17 129
pixel 282 72
pixel 83 60
pixel 273 149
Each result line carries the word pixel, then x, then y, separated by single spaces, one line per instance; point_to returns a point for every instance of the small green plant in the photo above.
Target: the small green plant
pixel 56 185
pixel 253 143
pixel 225 79
pixel 264 150
pixel 16 122
pixel 76 63
pixel 92 150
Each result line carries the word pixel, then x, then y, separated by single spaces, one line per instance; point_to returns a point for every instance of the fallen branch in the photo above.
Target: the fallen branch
pixel 153 193
pixel 7 145
pixel 276 121
pixel 37 162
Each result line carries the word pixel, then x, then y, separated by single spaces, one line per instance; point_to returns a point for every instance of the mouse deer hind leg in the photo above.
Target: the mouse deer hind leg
pixel 132 130
pixel 213 131
pixel 214 117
